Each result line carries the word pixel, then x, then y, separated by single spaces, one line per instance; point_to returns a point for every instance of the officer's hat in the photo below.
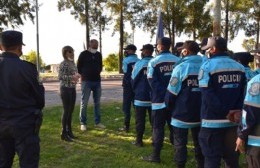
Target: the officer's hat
pixel 217 41
pixel 148 47
pixel 192 46
pixel 11 38
pixel 165 41
pixel 130 47
pixel 243 57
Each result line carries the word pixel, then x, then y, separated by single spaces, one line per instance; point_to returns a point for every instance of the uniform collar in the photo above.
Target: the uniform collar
pixel 132 55
pixel 220 55
pixel 9 55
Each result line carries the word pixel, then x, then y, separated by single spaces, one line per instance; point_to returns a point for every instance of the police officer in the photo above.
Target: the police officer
pixel 222 81
pixel 142 92
pixel 21 101
pixel 245 58
pixel 249 130
pixel 184 97
pixel 128 94
pixel 159 74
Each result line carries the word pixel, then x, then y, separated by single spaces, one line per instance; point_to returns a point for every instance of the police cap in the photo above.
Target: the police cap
pixel 165 41
pixel 243 57
pixel 130 47
pixel 148 47
pixel 11 38
pixel 192 46
pixel 217 41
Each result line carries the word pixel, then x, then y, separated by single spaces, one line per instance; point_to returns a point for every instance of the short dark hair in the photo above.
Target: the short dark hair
pixel 65 49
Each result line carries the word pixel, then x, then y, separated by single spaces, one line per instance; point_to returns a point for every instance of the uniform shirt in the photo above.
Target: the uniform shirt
pixel 249 73
pixel 66 71
pixel 222 81
pixel 250 125
pixel 128 65
pixel 20 91
pixel 185 95
pixel 257 71
pixel 159 73
pixel 90 66
pixel 140 83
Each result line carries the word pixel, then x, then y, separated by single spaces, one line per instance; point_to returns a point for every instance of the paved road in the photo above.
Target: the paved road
pixel 111 92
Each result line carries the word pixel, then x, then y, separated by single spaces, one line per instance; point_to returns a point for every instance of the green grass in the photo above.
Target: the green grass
pixel 97 148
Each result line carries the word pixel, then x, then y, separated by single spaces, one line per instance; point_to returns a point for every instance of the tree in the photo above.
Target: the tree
pixel 13 12
pixel 217 18
pixel 31 57
pixel 249 44
pixel 111 62
pixel 198 21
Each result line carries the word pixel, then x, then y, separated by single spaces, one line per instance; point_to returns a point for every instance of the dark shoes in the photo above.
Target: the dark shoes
pixel 65 137
pixel 71 135
pixel 152 158
pixel 138 144
pixel 126 129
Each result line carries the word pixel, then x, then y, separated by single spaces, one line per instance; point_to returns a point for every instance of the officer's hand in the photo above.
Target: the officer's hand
pixel 234 115
pixel 240 145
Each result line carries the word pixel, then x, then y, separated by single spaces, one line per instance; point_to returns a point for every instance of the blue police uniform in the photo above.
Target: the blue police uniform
pixel 249 73
pixel 222 81
pixel 128 94
pixel 159 74
pixel 184 98
pixel 142 99
pixel 21 101
pixel 257 71
pixel 249 130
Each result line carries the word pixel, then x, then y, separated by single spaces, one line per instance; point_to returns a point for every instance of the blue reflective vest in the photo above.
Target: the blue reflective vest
pixel 250 125
pixel 159 73
pixel 222 81
pixel 140 83
pixel 128 64
pixel 185 95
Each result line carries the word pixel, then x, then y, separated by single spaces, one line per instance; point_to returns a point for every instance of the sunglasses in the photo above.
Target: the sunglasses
pixel 69 51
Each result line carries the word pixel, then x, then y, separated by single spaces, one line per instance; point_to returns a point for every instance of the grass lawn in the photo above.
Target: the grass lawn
pixel 100 148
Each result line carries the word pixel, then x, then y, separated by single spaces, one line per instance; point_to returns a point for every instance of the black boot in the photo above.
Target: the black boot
pixel 64 136
pixel 71 135
pixel 152 158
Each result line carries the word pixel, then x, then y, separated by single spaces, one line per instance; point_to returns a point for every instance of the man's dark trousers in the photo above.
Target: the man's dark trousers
pixel 128 98
pixel 224 148
pixel 180 145
pixel 22 140
pixel 140 115
pixel 159 119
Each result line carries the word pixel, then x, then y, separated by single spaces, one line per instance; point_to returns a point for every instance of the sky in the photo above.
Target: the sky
pixel 58 29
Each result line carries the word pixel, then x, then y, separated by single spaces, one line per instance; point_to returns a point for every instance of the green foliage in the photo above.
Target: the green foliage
pixel 14 11
pixel 31 57
pixel 111 62
pixel 249 44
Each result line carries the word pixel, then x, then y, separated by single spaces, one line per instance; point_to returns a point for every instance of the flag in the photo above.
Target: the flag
pixel 159 33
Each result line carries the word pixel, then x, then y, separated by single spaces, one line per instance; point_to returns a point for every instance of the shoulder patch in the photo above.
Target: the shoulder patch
pixel 254 89
pixel 200 74
pixel 173 81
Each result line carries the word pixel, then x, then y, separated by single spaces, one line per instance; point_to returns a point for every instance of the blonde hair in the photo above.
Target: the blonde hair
pixel 65 49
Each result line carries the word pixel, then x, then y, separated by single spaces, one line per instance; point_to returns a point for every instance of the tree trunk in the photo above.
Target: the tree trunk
pixel 100 37
pixel 121 38
pixel 87 22
pixel 173 25
pixel 227 20
pixel 257 35
pixel 217 18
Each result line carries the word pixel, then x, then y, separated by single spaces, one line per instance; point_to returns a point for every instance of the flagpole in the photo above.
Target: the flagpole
pixel 37 38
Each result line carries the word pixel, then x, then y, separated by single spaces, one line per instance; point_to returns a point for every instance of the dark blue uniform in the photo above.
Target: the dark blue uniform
pixel 184 97
pixel 128 94
pixel 249 129
pixel 142 99
pixel 21 101
pixel 159 74
pixel 222 81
